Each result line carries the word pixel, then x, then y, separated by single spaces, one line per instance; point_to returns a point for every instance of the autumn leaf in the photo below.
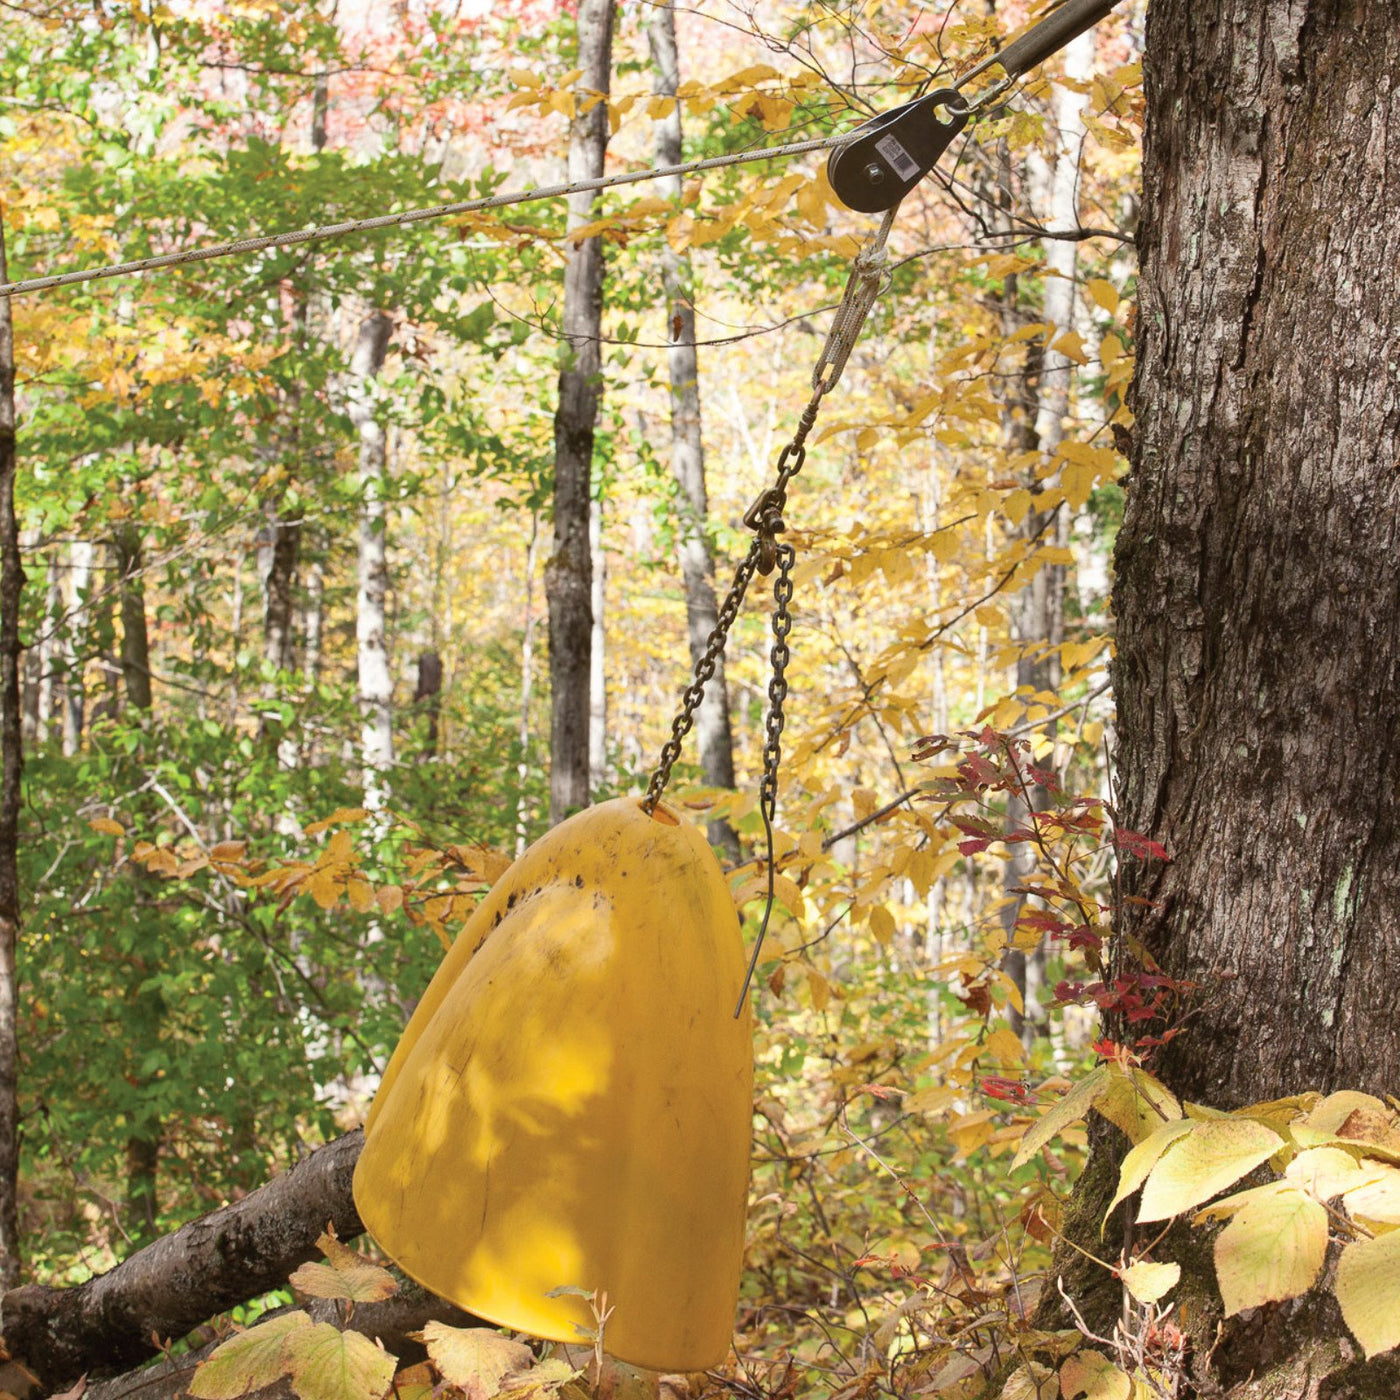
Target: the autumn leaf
pixel 328 1364
pixel 107 826
pixel 1273 1249
pixel 1202 1163
pixel 1148 1281
pixel 361 1282
pixel 249 1360
pixel 474 1359
pixel 1368 1289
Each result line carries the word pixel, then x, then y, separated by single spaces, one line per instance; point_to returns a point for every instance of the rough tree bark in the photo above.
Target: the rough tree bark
pixel 376 687
pixel 568 574
pixel 11 762
pixel 713 733
pixel 1257 597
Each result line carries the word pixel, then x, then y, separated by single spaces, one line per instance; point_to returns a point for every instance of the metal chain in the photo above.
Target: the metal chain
pixel 765 516
pixel 779 656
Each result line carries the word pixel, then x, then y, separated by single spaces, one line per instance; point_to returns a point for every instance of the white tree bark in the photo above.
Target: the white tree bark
pixel 712 727
pixel 80 560
pixel 376 686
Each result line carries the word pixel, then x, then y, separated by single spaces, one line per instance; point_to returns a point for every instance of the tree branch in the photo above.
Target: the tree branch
pixel 163 1291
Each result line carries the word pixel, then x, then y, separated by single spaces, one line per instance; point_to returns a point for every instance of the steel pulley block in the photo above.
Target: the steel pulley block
pixel 891 153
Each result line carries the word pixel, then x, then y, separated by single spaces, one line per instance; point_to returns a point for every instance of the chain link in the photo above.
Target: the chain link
pixel 765 518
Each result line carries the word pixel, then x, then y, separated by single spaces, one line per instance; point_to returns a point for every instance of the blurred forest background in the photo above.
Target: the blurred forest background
pixel 288 527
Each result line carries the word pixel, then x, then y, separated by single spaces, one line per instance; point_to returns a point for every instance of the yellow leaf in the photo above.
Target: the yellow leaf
pixel 327 1364
pixel 360 894
pixel 390 898
pixel 1137 1103
pixel 229 851
pixel 1368 1289
pixel 162 862
pixel 1143 1157
pixel 248 1361
pixel 324 888
pixel 341 816
pixel 1202 1163
pixel 107 826
pixel 1149 1282
pixel 1110 351
pixel 1016 504
pixel 1071 346
pixel 1070 1109
pixel 473 1358
pixel 338 850
pixel 1273 1249
pixel 361 1282
pixel 1005 1047
pixel 818 986
pixel 1094 1377
pixel 882 923
pixel 1103 293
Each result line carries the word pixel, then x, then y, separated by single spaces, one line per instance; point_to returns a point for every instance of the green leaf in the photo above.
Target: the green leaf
pixel 1368 1288
pixel 1140 1161
pixel 1214 1155
pixel 328 1364
pixel 1273 1249
pixel 361 1282
pixel 1070 1109
pixel 1148 1282
pixel 1093 1376
pixel 1136 1102
pixel 248 1361
pixel 474 1359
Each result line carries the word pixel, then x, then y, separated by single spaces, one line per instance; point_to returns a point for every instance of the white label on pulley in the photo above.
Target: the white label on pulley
pixel 905 166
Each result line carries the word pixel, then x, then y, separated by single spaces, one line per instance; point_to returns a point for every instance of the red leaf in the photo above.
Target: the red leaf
pixel 1138 845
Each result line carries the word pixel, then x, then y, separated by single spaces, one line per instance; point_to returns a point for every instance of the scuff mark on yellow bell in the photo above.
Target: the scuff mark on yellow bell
pixel 571 1102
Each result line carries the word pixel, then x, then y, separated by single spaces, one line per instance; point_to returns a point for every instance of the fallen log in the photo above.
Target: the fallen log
pixel 121 1318
pixel 391 1322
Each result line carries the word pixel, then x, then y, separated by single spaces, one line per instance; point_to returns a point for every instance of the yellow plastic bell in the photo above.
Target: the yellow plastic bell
pixel 570 1106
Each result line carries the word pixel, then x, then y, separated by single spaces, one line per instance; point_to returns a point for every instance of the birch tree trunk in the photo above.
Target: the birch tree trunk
pixel 568 577
pixel 372 653
pixel 712 729
pixel 11 762
pixel 1038 611
pixel 80 561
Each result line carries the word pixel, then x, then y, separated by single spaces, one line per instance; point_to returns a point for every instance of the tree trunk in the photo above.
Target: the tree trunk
pixel 568 574
pixel 712 729
pixel 136 642
pixel 1258 598
pixel 1257 595
pixel 375 683
pixel 80 561
pixel 1038 611
pixel 11 762
pixel 278 566
pixel 146 1009
pixel 598 653
pixel 427 700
